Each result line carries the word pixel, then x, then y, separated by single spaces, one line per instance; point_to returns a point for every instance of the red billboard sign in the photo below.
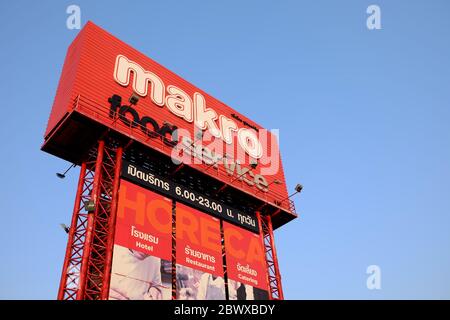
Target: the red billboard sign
pixel 142 265
pixel 114 85
pixel 199 255
pixel 144 221
pixel 246 265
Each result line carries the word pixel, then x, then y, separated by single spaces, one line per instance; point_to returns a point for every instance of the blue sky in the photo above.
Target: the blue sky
pixel 363 118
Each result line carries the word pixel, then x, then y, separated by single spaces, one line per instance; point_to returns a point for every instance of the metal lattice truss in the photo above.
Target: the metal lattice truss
pixel 87 265
pixel 273 271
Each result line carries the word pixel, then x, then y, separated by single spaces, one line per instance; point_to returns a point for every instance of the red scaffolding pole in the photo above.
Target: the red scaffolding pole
pixel 87 264
pixel 273 271
pixel 112 226
pixel 90 221
pixel 68 285
pixel 174 252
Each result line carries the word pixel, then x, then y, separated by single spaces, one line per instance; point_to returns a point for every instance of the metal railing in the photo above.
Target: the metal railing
pixel 137 131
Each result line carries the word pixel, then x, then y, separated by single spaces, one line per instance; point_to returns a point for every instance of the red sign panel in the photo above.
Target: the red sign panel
pixel 144 221
pixel 245 257
pixel 111 83
pixel 199 256
pixel 141 267
pixel 198 240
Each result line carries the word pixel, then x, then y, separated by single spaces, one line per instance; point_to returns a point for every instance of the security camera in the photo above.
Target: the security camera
pixel 134 99
pixel 253 164
pixel 65 227
pixel 298 188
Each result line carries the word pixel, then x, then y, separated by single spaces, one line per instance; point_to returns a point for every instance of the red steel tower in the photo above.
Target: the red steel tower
pixel 151 144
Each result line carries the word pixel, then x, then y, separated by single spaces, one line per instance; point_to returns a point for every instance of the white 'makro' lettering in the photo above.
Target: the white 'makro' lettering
pixel 182 105
pixel 122 73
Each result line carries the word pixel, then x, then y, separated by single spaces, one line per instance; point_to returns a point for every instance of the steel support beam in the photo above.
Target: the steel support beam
pixel 268 243
pixel 87 265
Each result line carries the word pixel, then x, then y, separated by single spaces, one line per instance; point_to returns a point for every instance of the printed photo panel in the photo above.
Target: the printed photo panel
pixel 246 267
pixel 141 268
pixel 200 274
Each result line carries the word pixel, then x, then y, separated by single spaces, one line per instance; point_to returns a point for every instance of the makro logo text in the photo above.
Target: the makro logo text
pixel 191 109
